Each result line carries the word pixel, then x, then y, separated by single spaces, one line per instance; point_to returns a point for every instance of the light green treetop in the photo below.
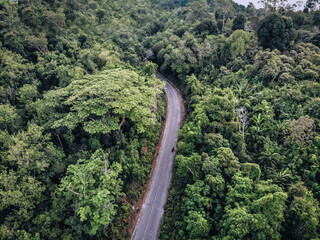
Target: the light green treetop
pixel 104 101
pixel 93 186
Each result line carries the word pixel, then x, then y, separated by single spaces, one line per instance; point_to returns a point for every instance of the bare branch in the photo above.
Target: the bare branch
pixel 242 113
pixel 122 122
pixel 108 206
pixel 106 171
pixel 76 193
pixel 191 171
pixel 59 140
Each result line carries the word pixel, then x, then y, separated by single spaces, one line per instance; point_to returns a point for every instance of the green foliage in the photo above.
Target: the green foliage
pixel 15 72
pixel 9 118
pixel 244 182
pixel 301 131
pixel 303 213
pixel 197 225
pixel 273 5
pixel 93 186
pixel 48 51
pixel 253 215
pixel 102 102
pixel 240 42
pixel 29 162
pixel 316 39
pixel 316 18
pixel 32 152
pixel 80 114
pixel 275 32
pixel 238 22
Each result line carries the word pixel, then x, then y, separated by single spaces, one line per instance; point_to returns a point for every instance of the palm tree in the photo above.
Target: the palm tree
pixel 258 120
pixel 283 177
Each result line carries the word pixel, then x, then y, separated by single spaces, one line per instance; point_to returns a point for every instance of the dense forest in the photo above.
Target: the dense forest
pixel 81 113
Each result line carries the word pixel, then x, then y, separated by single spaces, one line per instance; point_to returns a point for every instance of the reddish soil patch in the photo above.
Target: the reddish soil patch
pixel 145 149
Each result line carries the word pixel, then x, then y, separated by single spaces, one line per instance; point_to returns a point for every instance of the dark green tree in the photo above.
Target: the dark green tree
pixel 303 213
pixel 316 18
pixel 316 39
pixel 275 32
pixel 238 22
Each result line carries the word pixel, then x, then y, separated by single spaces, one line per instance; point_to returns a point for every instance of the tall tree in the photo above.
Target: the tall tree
pixel 238 22
pixel 93 187
pixel 275 32
pixel 103 102
pixel 273 5
pixel 226 8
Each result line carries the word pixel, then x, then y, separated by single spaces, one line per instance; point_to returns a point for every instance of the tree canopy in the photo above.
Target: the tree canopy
pixel 81 113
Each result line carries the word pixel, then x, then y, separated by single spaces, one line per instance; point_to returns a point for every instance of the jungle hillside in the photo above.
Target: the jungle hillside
pixel 81 114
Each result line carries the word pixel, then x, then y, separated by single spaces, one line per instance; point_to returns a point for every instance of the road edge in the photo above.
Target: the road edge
pixel 146 188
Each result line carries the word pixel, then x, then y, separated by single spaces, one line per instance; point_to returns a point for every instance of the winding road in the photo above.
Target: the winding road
pixel 152 210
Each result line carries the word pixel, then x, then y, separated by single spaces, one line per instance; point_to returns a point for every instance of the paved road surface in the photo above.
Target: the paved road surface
pixel 152 210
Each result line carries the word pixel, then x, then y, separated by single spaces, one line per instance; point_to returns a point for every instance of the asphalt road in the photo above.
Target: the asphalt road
pixel 152 210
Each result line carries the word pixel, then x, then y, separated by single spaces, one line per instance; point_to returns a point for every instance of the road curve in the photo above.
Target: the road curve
pixel 152 210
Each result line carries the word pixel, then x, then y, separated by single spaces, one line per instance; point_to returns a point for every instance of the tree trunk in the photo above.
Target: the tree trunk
pixel 59 140
pixel 223 20
pixel 122 122
pixel 243 132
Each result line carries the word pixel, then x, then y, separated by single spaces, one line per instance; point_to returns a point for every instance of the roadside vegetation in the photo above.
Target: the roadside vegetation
pixel 81 113
pixel 79 119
